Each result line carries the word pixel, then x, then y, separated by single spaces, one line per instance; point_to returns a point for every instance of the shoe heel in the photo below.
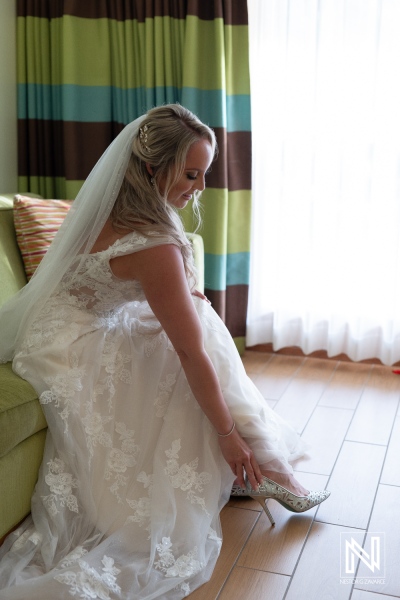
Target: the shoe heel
pixel 265 508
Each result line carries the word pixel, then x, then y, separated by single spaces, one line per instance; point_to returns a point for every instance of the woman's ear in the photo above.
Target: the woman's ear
pixel 150 169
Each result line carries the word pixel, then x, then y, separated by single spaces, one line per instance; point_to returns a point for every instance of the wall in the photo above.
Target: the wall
pixel 8 97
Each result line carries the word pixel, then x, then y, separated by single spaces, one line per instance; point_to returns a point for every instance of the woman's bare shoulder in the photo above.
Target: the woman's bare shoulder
pixel 152 263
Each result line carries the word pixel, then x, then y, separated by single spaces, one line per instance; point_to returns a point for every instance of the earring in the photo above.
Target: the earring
pixel 153 182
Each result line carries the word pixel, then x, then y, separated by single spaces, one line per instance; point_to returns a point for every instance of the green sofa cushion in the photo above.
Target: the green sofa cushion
pixel 20 412
pixel 18 475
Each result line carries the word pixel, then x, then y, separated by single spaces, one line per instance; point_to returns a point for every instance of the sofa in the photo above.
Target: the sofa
pixel 22 423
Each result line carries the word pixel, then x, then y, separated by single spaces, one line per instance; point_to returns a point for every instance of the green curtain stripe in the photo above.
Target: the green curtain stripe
pixel 102 51
pixel 102 104
pixel 149 54
pixel 229 269
pixel 219 44
pixel 233 209
pixel 56 188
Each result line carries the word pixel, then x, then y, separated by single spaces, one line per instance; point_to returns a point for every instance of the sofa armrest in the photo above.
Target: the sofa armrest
pixel 198 251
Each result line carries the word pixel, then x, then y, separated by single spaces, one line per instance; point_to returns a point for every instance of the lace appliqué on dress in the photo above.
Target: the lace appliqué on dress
pixel 186 477
pixel 113 362
pixel 142 506
pixel 87 583
pixel 120 459
pixel 184 566
pixel 61 484
pixel 73 557
pixel 94 423
pixel 30 535
pixel 164 394
pixel 212 535
pixel 63 388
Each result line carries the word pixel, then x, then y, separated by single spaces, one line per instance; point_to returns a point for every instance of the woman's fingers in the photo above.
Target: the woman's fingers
pixel 248 464
pixel 250 472
pixel 200 295
pixel 238 471
pixel 241 460
pixel 257 471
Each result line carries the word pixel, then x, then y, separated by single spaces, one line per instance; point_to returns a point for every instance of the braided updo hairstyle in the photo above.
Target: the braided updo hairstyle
pixel 164 139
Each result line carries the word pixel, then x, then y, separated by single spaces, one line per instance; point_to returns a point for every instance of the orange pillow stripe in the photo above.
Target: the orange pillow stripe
pixel 36 223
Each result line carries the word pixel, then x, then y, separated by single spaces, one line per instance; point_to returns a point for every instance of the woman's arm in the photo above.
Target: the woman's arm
pixel 161 273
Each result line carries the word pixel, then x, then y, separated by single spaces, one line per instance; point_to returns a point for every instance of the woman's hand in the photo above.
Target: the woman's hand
pixel 200 295
pixel 240 459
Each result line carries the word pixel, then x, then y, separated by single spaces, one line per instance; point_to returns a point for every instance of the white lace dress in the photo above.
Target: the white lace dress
pixel 132 482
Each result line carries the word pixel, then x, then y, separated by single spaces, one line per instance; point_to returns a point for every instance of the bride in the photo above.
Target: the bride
pixel 151 417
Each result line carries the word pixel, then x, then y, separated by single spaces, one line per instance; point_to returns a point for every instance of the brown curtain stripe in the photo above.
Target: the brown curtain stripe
pixel 233 13
pixel 93 139
pixel 119 10
pixel 231 305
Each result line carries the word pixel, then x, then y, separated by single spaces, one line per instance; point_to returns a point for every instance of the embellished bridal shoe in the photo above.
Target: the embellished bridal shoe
pixel 270 489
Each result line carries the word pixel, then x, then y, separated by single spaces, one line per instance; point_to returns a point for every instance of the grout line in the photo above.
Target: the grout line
pixel 299 557
pixel 234 564
pixel 290 379
pixel 322 393
pixel 262 571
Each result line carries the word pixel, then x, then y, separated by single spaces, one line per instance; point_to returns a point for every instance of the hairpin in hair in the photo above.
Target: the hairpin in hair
pixel 143 137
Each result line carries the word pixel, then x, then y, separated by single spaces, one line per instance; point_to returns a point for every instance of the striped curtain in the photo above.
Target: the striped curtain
pixel 87 68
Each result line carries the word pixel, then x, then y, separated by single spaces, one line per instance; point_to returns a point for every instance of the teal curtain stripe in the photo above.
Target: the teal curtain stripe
pixel 217 109
pixel 89 103
pixel 226 269
pixel 102 104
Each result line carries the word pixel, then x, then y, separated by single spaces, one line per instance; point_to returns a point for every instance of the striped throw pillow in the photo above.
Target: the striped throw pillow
pixel 36 223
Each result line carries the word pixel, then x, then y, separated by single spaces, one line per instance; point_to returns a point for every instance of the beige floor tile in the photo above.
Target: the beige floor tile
pixel 360 595
pixel 317 574
pixel 236 528
pixel 353 485
pixel 377 408
pixel 391 469
pixel 248 584
pixel 255 362
pixel 325 433
pixel 385 519
pixel 302 395
pixel 346 386
pixel 276 549
pixel 273 380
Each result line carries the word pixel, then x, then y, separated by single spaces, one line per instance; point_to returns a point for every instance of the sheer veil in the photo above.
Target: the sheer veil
pixel 76 237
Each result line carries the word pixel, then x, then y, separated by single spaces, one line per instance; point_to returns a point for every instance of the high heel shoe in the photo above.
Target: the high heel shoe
pixel 270 489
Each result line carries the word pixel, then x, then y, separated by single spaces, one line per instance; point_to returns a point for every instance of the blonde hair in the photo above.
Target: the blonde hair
pixel 163 141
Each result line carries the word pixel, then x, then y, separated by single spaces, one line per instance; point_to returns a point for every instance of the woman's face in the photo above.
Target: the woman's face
pixel 198 160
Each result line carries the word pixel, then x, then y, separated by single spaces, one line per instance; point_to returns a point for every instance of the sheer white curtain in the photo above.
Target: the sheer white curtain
pixel 325 84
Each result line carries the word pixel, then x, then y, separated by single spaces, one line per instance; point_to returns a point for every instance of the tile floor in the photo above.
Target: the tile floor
pixel 349 413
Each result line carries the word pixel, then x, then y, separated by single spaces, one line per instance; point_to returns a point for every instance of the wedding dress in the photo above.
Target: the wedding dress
pixel 132 481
